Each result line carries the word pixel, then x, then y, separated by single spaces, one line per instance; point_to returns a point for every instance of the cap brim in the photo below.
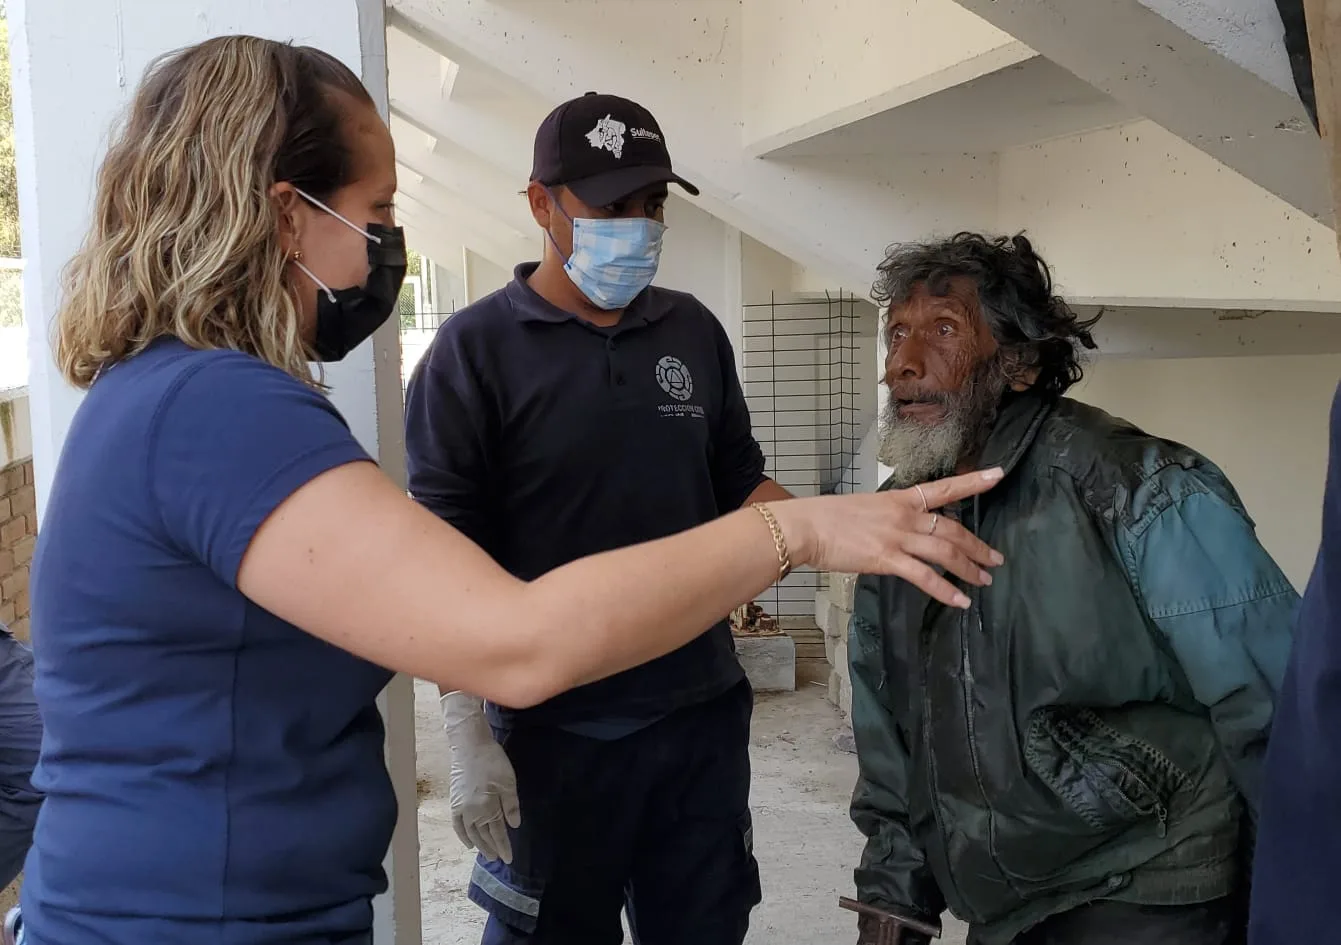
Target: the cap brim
pixel 601 190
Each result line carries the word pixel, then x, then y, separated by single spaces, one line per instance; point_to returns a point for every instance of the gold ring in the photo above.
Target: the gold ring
pixel 918 487
pixel 935 520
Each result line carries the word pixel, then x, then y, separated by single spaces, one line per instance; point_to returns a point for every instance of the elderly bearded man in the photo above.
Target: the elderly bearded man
pixel 1075 759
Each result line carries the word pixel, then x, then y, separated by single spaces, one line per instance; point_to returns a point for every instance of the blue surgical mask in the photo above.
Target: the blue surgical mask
pixel 613 260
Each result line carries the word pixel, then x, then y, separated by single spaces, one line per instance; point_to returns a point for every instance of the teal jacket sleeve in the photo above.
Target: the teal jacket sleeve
pixel 1223 606
pixel 893 871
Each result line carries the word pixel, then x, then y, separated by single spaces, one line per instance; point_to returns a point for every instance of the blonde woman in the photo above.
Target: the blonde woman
pixel 224 581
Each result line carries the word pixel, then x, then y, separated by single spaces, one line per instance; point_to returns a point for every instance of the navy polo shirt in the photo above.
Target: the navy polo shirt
pixel 545 438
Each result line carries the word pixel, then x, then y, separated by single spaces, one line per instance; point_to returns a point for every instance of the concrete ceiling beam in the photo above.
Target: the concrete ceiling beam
pixel 832 215
pixel 425 212
pixel 1219 79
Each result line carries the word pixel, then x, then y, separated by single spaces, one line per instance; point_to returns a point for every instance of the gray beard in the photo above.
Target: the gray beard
pixel 920 452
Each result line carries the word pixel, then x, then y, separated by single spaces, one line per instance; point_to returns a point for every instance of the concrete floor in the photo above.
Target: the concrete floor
pixel 804 841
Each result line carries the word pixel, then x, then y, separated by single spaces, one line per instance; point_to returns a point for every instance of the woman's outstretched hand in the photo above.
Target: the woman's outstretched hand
pixel 899 533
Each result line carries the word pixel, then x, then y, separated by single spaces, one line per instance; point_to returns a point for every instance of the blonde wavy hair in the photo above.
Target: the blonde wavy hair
pixel 184 239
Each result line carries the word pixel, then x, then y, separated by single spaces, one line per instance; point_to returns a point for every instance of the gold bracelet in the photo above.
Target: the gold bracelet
pixel 779 540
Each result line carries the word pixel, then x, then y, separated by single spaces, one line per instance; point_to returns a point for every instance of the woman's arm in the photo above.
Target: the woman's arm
pixel 349 558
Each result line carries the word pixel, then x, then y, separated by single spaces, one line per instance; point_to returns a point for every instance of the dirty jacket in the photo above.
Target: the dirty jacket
pixel 1093 726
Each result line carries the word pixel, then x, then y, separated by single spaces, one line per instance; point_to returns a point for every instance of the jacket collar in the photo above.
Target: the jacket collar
pixel 1018 421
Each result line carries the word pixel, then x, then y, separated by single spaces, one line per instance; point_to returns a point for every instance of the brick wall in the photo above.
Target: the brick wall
pixel 18 531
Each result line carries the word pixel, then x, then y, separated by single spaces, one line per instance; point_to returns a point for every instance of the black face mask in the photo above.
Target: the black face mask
pixel 347 317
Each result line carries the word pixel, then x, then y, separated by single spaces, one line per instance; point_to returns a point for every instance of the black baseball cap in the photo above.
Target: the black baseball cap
pixel 603 148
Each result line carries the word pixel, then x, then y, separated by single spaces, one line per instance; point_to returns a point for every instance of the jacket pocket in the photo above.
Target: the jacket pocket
pixel 1097 785
pixel 1110 780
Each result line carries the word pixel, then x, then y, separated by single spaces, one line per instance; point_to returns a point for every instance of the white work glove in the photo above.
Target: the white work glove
pixel 483 784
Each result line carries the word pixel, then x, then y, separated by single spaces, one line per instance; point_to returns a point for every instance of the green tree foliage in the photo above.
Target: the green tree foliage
pixel 11 300
pixel 9 186
pixel 405 305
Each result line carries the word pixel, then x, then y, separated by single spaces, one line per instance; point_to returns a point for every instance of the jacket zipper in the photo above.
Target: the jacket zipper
pixel 974 614
pixel 931 773
pixel 927 715
pixel 1161 812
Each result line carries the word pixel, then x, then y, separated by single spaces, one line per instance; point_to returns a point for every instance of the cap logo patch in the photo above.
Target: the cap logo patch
pixel 608 135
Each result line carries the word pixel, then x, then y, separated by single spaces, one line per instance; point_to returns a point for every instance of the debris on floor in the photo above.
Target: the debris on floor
pixel 753 621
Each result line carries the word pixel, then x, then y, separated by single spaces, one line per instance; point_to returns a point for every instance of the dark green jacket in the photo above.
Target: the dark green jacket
pixel 1094 725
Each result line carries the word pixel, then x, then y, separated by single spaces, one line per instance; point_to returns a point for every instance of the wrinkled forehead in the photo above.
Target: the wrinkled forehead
pixel 953 295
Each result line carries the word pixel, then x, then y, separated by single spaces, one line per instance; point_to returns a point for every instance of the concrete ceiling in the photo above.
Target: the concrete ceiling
pixel 1022 104
pixel 1129 214
pixel 1214 73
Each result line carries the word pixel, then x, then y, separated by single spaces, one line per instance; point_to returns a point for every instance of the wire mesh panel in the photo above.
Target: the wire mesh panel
pixel 801 377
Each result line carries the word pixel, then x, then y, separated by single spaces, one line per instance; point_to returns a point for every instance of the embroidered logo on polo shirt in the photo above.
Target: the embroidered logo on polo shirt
pixel 675 378
pixel 608 135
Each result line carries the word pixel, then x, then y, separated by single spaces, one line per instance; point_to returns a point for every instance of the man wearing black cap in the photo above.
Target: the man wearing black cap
pixel 578 410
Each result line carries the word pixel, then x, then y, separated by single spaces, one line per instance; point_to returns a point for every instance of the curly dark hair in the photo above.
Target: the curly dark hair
pixel 1035 328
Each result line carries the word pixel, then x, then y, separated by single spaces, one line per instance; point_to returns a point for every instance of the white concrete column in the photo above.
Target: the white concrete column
pixel 61 121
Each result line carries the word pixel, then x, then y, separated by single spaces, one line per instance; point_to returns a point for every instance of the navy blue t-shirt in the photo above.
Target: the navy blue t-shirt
pixel 213 774
pixel 545 438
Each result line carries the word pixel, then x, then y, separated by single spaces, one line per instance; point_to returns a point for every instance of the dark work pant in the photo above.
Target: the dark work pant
pixel 1221 922
pixel 657 822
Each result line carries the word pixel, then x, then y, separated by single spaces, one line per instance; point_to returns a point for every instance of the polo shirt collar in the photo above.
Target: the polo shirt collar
pixel 649 305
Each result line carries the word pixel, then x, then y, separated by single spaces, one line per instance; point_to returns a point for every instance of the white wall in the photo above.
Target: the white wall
pixel 764 271
pixel 1263 420
pixel 483 277
pixel 701 256
pixel 449 287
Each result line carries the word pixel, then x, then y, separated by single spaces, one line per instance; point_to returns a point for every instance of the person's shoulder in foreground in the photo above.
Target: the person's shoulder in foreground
pixel 189 407
pixel 1297 866
pixel 168 373
pixel 191 434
